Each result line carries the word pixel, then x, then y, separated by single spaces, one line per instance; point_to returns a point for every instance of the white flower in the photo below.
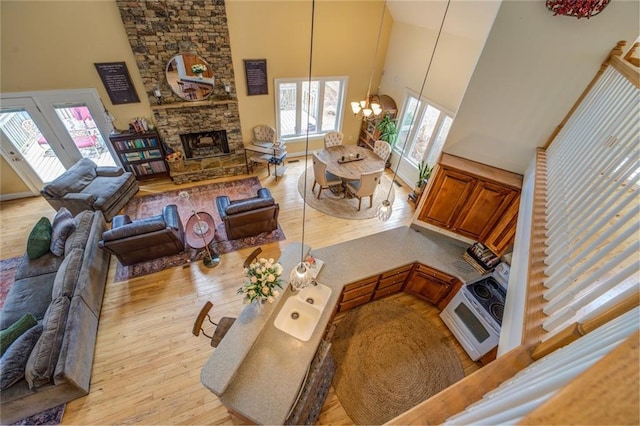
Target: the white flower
pixel 265 290
pixel 270 299
pixel 254 280
pixel 271 260
pixel 252 293
pixel 271 278
pixel 276 293
pixel 278 269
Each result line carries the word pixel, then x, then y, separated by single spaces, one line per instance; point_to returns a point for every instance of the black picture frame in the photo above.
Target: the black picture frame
pixel 255 71
pixel 117 81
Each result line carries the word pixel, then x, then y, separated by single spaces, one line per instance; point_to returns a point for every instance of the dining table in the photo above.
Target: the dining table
pixel 349 162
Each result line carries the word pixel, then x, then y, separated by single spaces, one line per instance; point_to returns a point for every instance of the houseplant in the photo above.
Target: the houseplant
pixel 388 130
pixel 424 173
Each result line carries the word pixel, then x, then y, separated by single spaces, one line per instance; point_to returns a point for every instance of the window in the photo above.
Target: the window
pixel 317 106
pixel 424 135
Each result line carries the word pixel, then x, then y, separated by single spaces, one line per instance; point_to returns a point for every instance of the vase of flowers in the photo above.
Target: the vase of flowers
pixel 198 69
pixel 263 277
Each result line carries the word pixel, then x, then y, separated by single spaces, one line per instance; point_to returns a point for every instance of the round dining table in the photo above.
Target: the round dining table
pixel 350 170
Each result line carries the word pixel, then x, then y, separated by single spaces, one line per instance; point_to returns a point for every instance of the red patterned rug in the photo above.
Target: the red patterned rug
pixel 203 198
pixel 8 268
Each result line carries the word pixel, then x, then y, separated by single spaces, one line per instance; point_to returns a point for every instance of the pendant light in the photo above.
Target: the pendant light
pixel 385 209
pixel 300 276
pixel 366 109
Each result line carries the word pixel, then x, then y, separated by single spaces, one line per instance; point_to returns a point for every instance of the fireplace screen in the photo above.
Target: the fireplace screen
pixel 205 144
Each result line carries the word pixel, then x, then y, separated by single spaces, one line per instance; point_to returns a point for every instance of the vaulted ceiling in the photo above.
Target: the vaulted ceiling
pixel 465 18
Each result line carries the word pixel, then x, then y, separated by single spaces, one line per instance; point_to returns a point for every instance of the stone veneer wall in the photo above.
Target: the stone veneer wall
pixel 157 31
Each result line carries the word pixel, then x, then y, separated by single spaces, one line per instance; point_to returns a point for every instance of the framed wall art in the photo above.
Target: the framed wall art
pixel 256 72
pixel 117 81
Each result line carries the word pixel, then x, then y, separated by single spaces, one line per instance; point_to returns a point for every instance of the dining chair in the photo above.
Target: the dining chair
pixel 252 256
pixel 333 139
pixel 365 187
pixel 383 149
pixel 222 326
pixel 322 177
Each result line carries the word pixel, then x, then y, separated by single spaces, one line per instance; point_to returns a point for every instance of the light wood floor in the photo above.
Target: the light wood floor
pixel 147 363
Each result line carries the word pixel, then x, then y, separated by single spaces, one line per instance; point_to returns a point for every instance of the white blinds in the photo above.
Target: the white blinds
pixel 532 386
pixel 593 205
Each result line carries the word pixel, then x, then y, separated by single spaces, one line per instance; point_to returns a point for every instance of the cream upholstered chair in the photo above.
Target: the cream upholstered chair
pixel 333 139
pixel 383 149
pixel 263 135
pixel 322 177
pixel 365 187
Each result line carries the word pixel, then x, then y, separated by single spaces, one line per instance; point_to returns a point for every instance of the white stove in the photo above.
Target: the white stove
pixel 474 315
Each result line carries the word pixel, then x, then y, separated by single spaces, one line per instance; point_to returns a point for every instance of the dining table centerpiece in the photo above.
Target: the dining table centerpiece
pixel 263 277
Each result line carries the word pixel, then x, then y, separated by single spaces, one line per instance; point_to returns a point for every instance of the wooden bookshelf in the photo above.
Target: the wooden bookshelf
pixel 141 154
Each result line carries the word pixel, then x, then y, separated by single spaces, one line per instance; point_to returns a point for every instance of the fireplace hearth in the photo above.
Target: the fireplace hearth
pixel 205 144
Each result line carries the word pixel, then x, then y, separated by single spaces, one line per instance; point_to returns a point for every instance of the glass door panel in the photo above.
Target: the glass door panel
pixel 81 127
pixel 27 148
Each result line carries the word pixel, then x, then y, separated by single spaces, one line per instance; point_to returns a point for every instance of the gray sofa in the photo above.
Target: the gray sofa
pixel 65 295
pixel 86 186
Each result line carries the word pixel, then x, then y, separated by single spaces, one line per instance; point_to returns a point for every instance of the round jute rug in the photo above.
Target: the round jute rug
pixel 345 208
pixel 389 358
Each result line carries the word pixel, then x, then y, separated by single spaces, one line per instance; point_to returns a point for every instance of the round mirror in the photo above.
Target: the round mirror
pixel 190 77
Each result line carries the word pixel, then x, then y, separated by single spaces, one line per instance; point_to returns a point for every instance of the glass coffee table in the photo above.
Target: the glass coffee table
pixel 200 232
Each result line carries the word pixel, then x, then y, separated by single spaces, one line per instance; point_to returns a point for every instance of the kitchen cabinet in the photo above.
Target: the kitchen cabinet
pixel 473 200
pixel 373 288
pixel 368 131
pixel 141 154
pixel 432 285
pixel 358 293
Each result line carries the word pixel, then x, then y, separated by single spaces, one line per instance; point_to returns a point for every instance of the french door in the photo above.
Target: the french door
pixel 44 133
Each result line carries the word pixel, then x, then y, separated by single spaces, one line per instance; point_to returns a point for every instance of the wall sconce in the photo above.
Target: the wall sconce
pixel 158 94
pixel 227 88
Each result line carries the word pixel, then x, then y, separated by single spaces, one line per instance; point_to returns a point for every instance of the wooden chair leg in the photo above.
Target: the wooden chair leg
pixel 370 200
pixel 319 191
pixel 313 188
pixel 359 203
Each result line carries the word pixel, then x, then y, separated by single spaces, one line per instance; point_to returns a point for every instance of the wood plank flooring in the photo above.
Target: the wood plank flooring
pixel 147 363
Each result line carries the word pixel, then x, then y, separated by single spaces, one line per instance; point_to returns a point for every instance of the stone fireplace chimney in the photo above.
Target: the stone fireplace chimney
pixel 157 31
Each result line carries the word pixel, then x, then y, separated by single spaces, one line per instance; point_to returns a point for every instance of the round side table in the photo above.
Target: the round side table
pixel 199 233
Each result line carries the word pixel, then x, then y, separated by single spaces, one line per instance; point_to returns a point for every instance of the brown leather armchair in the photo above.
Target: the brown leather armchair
pixel 248 217
pixel 145 239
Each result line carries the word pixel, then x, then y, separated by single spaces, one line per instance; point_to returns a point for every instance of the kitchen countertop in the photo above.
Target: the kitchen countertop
pixel 257 369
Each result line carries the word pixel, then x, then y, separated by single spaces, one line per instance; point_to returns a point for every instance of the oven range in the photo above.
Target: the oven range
pixel 474 315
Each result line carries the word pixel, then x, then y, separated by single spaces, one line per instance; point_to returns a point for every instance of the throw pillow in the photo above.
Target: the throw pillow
pixel 15 330
pixel 44 356
pixel 14 361
pixel 39 239
pixel 63 225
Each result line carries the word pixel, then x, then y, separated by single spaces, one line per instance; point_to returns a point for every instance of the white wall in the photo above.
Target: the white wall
pixel 533 68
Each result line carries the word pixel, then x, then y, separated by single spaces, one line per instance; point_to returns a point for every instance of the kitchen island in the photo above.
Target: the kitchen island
pixel 258 370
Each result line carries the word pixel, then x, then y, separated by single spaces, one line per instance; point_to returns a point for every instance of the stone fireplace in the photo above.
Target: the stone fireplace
pixel 157 31
pixel 204 144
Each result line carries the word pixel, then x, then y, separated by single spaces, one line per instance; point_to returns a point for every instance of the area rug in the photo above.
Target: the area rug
pixel 8 268
pixel 203 198
pixel 389 358
pixel 345 208
pixel 52 416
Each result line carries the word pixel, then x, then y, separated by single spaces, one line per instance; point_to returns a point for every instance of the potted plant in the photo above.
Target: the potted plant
pixel 388 130
pixel 198 69
pixel 424 173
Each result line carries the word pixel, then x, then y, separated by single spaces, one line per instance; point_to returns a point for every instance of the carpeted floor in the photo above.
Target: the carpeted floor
pixel 389 358
pixel 203 199
pixel 8 268
pixel 345 208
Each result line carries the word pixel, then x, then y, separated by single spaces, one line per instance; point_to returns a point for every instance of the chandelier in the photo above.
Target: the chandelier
pixel 367 109
pixel 577 8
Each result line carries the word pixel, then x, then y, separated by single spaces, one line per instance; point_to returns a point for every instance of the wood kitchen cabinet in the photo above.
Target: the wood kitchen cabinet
pixel 373 288
pixel 432 285
pixel 474 200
